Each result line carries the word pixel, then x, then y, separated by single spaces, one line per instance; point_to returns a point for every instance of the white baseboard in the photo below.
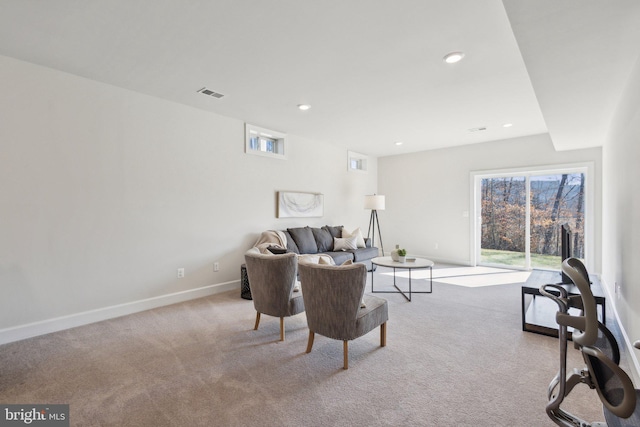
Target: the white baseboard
pixel 628 343
pixel 20 332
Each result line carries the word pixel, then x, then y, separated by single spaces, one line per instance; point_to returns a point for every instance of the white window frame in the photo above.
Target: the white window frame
pixel 357 162
pixel 265 136
pixel 587 168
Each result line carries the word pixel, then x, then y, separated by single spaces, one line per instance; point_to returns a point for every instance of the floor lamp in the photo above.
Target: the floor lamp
pixel 375 203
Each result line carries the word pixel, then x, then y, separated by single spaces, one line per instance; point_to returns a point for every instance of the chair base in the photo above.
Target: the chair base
pixel 282 329
pixel 345 343
pixel 345 348
pixel 310 341
pixel 255 328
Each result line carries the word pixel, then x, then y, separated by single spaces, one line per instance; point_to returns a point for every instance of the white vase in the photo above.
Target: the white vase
pixel 402 258
pixel 394 253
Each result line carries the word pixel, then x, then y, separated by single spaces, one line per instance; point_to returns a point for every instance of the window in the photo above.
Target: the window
pixel 356 162
pixel 264 142
pixel 519 214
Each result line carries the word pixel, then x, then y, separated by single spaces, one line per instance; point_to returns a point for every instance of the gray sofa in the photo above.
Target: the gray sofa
pixel 311 240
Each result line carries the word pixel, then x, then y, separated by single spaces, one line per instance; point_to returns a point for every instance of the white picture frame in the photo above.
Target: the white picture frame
pixel 300 205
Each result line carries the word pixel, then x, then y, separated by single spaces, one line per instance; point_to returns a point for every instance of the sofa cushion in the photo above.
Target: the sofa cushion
pixel 335 231
pixel 340 257
pixel 303 236
pixel 364 254
pixel 324 240
pixel 315 259
pixel 291 244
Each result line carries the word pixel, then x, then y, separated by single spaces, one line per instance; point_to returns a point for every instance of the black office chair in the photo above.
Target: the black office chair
pixel 600 351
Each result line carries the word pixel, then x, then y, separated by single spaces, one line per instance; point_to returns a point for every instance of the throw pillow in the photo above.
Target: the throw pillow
pixel 324 240
pixel 348 243
pixel 303 236
pixel 358 234
pixel 336 231
pixel 291 244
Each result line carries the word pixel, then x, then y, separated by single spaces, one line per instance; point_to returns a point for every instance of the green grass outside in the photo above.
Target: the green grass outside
pixel 493 256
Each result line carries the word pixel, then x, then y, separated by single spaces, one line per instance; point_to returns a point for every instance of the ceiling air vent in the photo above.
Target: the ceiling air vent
pixel 209 92
pixel 480 129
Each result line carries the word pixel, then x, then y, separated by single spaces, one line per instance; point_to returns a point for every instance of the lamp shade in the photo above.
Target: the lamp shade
pixel 374 202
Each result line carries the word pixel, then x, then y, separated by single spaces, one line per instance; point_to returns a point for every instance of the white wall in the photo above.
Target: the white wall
pixel 621 212
pixel 428 192
pixel 105 192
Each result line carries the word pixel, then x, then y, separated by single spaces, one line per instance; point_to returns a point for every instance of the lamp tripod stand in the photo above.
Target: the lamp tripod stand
pixel 373 221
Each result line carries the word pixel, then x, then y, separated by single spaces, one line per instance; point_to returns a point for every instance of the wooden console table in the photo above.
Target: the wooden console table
pixel 539 312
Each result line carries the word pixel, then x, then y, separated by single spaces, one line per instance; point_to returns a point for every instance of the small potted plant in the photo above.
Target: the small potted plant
pixel 402 255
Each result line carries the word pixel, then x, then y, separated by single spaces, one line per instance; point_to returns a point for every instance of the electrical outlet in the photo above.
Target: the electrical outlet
pixel 180 273
pixel 216 266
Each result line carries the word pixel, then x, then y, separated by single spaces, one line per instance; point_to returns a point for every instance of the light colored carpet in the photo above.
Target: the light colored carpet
pixel 456 357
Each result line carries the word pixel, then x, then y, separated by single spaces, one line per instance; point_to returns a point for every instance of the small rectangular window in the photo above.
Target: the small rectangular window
pixel 264 142
pixel 356 162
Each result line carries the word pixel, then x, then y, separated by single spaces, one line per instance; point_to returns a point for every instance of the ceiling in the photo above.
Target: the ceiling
pixel 372 70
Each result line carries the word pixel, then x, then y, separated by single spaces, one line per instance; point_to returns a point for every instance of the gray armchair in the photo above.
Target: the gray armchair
pixel 333 296
pixel 272 278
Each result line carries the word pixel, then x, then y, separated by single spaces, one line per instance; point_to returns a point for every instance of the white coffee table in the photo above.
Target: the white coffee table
pixel 418 264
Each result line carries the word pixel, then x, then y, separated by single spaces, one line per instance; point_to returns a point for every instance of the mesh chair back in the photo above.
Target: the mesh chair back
pixel 613 385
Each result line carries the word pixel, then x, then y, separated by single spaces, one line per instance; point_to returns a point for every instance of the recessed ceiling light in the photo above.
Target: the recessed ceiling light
pixel 398 143
pixel 304 107
pixel 507 125
pixel 453 57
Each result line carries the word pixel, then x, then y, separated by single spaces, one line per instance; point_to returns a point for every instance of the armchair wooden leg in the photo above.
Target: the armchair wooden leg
pixel 383 334
pixel 345 346
pixel 255 328
pixel 282 329
pixel 310 342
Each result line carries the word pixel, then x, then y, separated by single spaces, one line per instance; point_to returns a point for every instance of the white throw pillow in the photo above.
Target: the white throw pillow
pixel 345 243
pixel 358 235
pixel 324 261
pixel 315 259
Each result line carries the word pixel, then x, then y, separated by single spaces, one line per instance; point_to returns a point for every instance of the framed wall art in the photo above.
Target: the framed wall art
pixel 300 205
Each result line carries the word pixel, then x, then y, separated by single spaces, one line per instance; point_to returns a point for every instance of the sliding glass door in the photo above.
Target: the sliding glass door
pixel 556 200
pixel 519 217
pixel 504 219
